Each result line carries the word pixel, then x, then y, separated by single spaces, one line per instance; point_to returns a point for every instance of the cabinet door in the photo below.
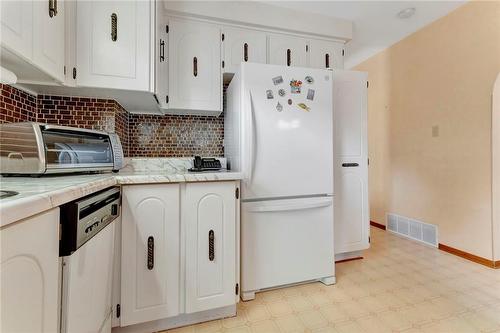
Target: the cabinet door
pixel 48 41
pixel 195 77
pixel 325 54
pixel 352 225
pixel 113 44
pixel 243 45
pixel 288 51
pixel 17 26
pixel 150 253
pixel 29 274
pixel 161 60
pixel 210 220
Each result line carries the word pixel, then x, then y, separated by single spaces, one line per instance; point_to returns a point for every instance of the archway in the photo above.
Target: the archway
pixel 495 145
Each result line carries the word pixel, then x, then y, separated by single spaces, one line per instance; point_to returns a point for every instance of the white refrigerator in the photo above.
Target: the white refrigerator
pixel 279 133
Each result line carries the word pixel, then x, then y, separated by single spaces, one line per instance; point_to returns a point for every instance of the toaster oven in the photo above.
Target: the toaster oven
pixel 31 148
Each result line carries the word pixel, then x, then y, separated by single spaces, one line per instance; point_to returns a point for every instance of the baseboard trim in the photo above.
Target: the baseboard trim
pixel 377 225
pixel 469 256
pixel 350 259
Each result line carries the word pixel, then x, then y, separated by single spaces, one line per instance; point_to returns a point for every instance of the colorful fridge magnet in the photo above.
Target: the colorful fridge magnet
pixel 279 107
pixel 282 92
pixel 289 101
pixel 295 86
pixel 309 79
pixel 269 94
pixel 304 107
pixel 277 80
pixel 310 94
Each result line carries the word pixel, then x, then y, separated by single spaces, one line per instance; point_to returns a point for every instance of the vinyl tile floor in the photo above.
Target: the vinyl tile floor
pixel 399 286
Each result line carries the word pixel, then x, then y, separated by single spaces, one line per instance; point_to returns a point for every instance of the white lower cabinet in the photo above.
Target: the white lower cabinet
pixel 179 252
pixel 209 218
pixel 150 253
pixel 29 274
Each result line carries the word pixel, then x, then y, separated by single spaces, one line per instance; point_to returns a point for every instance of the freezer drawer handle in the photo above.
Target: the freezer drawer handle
pixel 211 247
pixel 283 207
pixel 350 165
pixel 151 252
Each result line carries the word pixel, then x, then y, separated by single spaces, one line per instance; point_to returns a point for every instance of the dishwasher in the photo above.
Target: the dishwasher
pixel 86 248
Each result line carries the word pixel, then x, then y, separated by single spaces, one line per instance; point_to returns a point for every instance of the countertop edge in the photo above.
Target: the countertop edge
pixel 19 209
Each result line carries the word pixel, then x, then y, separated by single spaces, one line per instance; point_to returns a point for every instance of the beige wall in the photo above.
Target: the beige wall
pixel 443 76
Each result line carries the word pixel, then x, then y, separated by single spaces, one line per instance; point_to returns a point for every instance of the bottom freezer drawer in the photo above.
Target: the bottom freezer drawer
pixel 286 241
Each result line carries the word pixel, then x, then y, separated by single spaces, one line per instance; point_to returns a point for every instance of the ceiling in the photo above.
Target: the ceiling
pixel 376 25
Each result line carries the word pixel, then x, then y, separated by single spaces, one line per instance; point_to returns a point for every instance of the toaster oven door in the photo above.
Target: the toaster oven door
pixel 73 150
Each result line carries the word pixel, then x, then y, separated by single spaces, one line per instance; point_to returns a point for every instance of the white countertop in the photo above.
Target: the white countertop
pixel 43 193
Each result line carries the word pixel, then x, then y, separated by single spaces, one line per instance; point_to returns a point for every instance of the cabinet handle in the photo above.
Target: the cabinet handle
pixel 288 57
pixel 52 9
pixel 211 247
pixel 162 50
pixel 114 27
pixel 350 165
pixel 151 252
pixel 195 66
pixel 327 60
pixel 245 52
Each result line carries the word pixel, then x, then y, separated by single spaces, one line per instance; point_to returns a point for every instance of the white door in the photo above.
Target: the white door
pixel 113 44
pixel 286 241
pixel 87 285
pixel 289 152
pixel 150 253
pixel 210 222
pixel 48 41
pixel 195 70
pixel 29 274
pixel 17 27
pixel 325 54
pixel 351 161
pixel 243 45
pixel 288 51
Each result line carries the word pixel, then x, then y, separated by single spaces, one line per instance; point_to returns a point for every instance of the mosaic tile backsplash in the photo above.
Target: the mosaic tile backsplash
pixel 141 135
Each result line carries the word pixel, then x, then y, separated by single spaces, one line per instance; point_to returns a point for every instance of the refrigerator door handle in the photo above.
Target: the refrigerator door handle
pixel 280 207
pixel 252 140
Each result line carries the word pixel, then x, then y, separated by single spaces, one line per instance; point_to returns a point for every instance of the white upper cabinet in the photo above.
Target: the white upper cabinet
pixel 150 253
pixel 29 274
pixel 288 51
pixel 195 73
pixel 48 41
pixel 33 32
pixel 113 44
pixel 325 54
pixel 17 27
pixel 243 45
pixel 210 222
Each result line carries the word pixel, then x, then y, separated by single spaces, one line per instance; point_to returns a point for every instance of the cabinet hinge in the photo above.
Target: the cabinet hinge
pixel 368 161
pixel 223 63
pixel 237 289
pixel 237 193
pixel 60 231
pixel 74 73
pixel 118 311
pixel 166 28
pixel 166 99
pixel 343 52
pixel 222 37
